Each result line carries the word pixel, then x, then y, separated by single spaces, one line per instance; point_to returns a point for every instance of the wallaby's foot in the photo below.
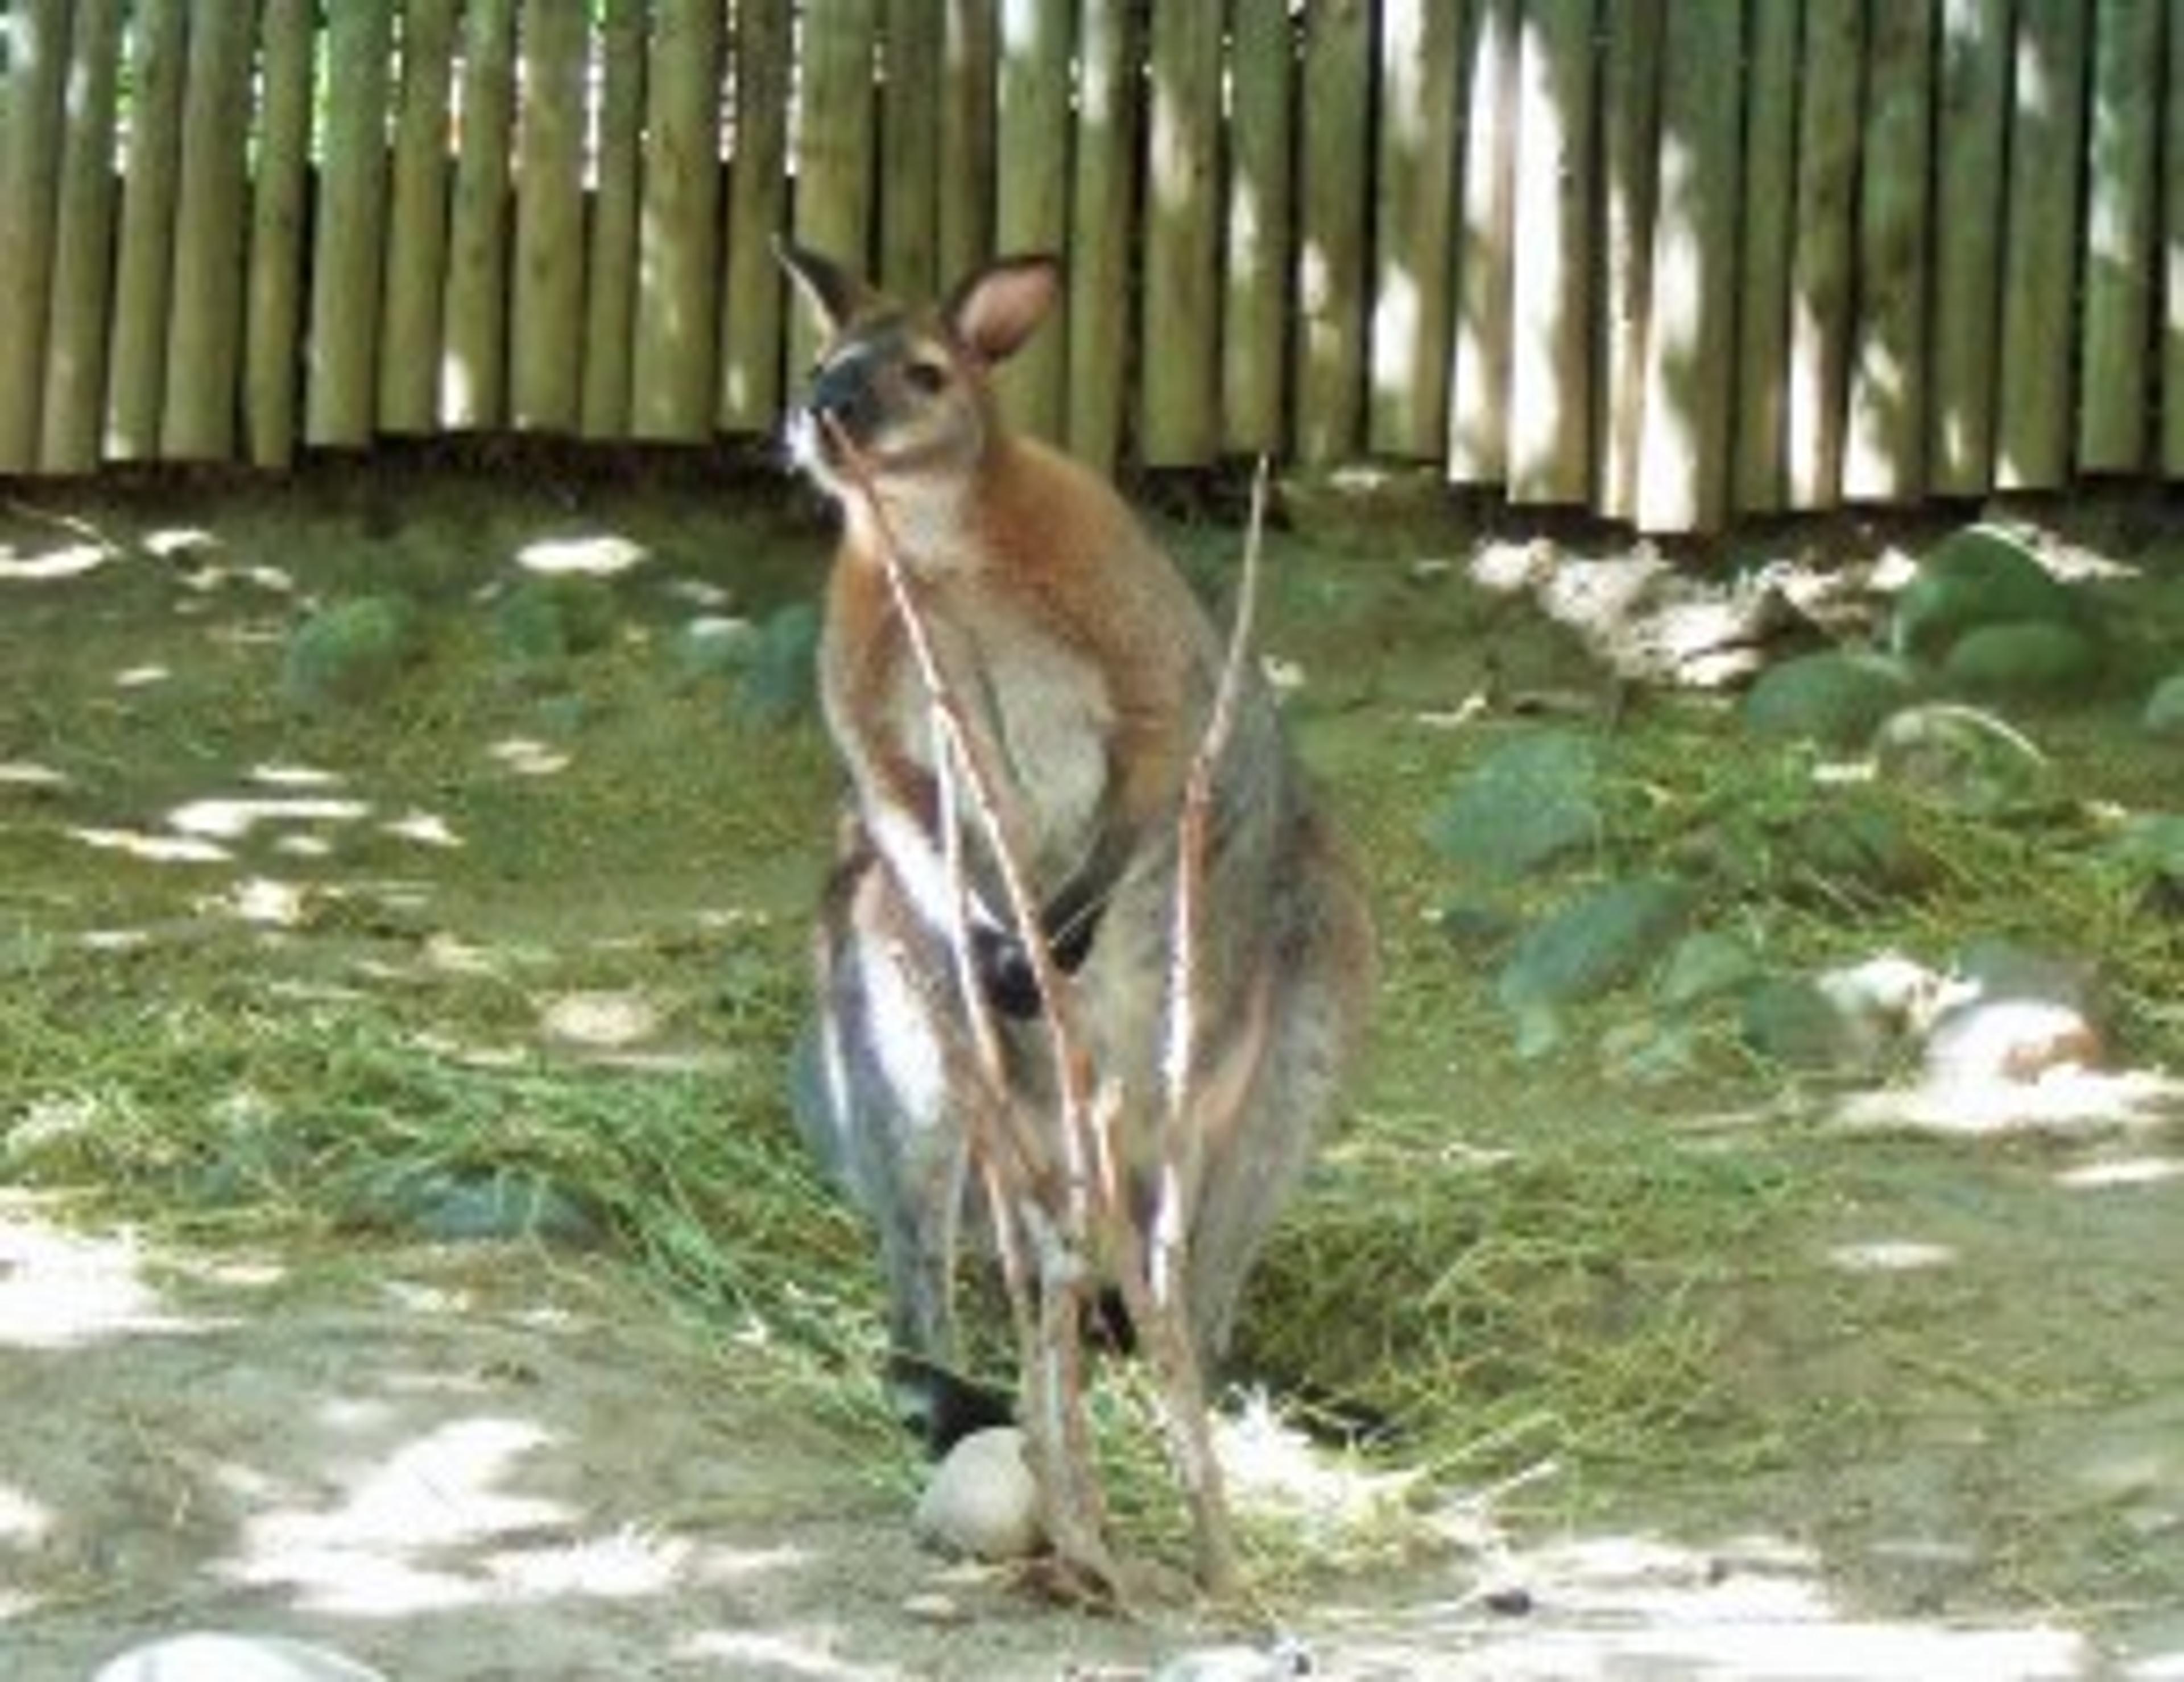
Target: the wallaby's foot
pixel 944 1407
pixel 1108 1325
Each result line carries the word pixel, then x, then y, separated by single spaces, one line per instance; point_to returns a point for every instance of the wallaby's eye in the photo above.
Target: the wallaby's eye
pixel 927 379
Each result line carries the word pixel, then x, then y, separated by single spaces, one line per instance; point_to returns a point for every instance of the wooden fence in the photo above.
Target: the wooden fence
pixel 1672 260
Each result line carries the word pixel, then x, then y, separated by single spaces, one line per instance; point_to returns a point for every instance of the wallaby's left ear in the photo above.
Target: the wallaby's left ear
pixel 996 310
pixel 833 292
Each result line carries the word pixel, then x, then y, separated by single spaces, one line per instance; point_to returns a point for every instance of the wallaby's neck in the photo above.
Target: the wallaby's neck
pixel 940 520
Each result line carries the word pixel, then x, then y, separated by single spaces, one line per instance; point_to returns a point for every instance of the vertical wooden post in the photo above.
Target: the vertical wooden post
pixel 1886 432
pixel 1255 235
pixel 204 335
pixel 1334 201
pixel 678 300
pixel 38 34
pixel 911 106
pixel 2039 276
pixel 1630 93
pixel 1178 420
pixel 1413 229
pixel 1682 477
pixel 1102 211
pixel 1479 370
pixel 1552 276
pixel 610 253
pixel 144 265
pixel 1032 198
pixel 2119 253
pixel 474 368
pixel 758 202
pixel 835 144
pixel 274 288
pixel 1821 265
pixel 1762 315
pixel 417 223
pixel 348 258
pixel 970 53
pixel 74 401
pixel 2172 242
pixel 1972 82
pixel 545 372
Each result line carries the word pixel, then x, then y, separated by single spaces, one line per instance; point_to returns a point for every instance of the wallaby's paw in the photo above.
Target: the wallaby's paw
pixel 942 1407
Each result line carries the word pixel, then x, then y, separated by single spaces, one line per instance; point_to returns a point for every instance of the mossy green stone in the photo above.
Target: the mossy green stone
pixel 1980 576
pixel 2028 657
pixel 351 652
pixel 1837 698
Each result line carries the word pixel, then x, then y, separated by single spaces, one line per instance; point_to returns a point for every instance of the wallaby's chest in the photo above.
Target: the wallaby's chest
pixel 1042 709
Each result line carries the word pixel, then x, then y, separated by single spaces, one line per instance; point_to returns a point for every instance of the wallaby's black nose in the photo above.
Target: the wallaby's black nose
pixel 842 392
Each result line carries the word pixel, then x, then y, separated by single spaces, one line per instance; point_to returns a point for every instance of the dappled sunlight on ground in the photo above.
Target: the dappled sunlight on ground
pixel 1633 1606
pixel 2062 1099
pixel 60 1291
pixel 457 1456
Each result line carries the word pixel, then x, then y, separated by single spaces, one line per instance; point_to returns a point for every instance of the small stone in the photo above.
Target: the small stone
pixel 2002 969
pixel 1961 759
pixel 2016 1040
pixel 1704 964
pixel 1859 847
pixel 544 618
pixel 936 1608
pixel 1837 698
pixel 1236 1663
pixel 1478 931
pixel 207 1656
pixel 351 652
pixel 1980 576
pixel 780 667
pixel 1595 943
pixel 2031 657
pixel 1846 1021
pixel 1532 801
pixel 2165 709
pixel 1894 995
pixel 982 1500
pixel 484 1208
pixel 600 1021
pixel 712 644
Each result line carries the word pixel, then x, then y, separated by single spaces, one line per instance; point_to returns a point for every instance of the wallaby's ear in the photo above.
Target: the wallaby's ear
pixel 833 292
pixel 994 311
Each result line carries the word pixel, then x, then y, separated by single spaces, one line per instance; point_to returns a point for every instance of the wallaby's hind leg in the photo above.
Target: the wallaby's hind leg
pixel 1294 1043
pixel 886 1125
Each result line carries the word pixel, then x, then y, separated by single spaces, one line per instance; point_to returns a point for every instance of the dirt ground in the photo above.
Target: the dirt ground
pixel 1951 1440
pixel 475 1465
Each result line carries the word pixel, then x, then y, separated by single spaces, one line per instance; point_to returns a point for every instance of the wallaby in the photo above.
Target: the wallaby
pixel 1089 670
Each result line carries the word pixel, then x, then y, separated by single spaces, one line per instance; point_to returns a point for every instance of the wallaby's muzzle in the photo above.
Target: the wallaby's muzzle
pixel 844 392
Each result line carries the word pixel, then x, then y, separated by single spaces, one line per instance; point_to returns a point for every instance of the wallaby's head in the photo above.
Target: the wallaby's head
pixel 907 384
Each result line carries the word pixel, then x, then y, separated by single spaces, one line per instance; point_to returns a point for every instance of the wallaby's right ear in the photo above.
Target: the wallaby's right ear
pixel 833 292
pixel 994 311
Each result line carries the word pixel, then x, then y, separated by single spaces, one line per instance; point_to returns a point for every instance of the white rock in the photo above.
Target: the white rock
pixel 209 1656
pixel 1278 1663
pixel 933 1607
pixel 982 1500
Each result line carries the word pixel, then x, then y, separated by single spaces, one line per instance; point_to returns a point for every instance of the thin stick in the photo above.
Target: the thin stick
pixel 1158 1290
pixel 1182 1049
